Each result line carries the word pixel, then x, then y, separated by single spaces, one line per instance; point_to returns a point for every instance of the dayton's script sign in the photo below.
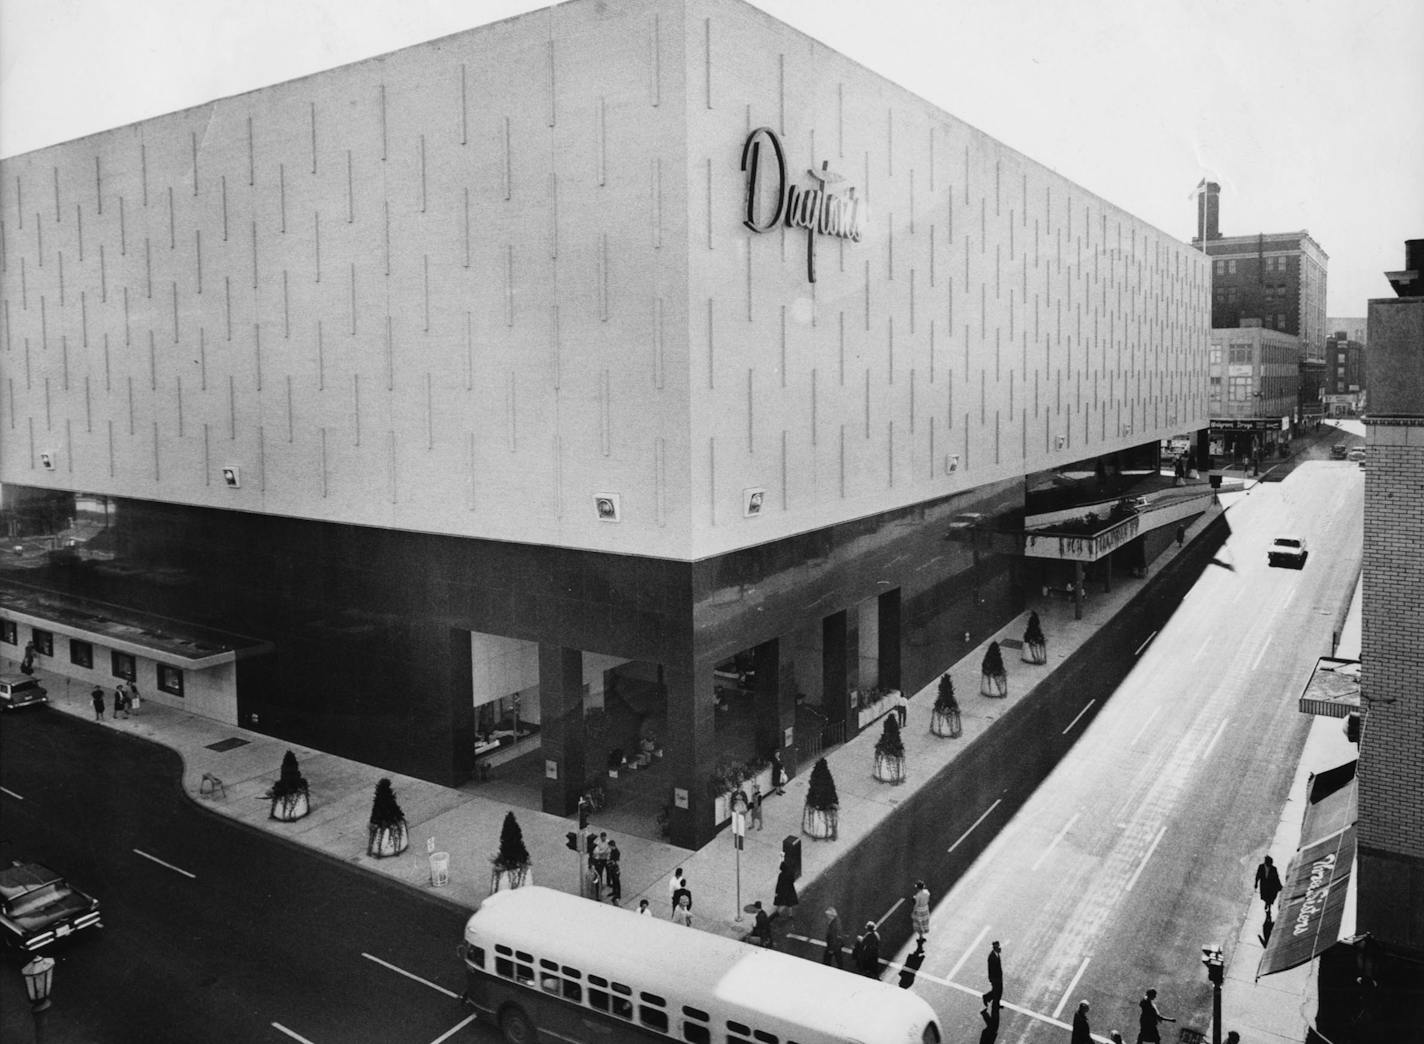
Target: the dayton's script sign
pixel 771 201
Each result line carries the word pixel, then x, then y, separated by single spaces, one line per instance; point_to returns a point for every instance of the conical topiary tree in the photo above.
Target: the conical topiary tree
pixel 290 795
pixel 1035 647
pixel 945 719
pixel 995 680
pixel 386 834
pixel 821 816
pixel 890 752
pixel 511 865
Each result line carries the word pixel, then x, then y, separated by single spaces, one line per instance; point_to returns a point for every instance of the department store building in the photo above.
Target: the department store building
pixel 635 382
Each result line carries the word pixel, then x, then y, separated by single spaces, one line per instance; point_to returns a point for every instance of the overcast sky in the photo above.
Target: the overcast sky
pixel 1306 111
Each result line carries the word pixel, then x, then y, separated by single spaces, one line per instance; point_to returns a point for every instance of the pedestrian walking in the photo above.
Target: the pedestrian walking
pixel 1181 535
pixel 682 913
pixel 920 911
pixel 995 995
pixel 643 908
pixel 1082 1032
pixel 778 773
pixel 27 665
pixel 600 855
pixel 913 960
pixel 786 899
pixel 98 697
pixel 134 701
pixel 834 940
pixel 869 945
pixel 1268 883
pixel 1149 1019
pixel 760 934
pixel 756 805
pixel 678 881
pixel 121 702
pixel 681 897
pixel 614 873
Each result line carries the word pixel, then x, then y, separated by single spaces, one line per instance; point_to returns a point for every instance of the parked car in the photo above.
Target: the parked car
pixel 40 906
pixel 1287 551
pixel 18 690
pixel 1358 454
pixel 1338 451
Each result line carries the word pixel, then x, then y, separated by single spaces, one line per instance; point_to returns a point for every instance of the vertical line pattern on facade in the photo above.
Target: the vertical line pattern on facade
pixel 604 393
pixel 60 257
pixel 933 458
pixel 707 60
pixel 175 312
pixel 152 364
pixel 509 409
pixel 172 222
pixel 509 284
pixel 129 384
pixel 147 267
pixel 390 356
pixel 257 351
pixel 508 161
pixel 198 259
pixel 111 449
pixel 550 82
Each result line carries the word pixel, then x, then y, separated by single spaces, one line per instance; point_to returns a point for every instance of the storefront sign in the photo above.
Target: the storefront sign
pixel 771 200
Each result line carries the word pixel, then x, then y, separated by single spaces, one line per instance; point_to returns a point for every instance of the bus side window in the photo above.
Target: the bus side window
pixel 572 990
pixel 622 1001
pixel 524 967
pixel 764 1037
pixel 549 976
pixel 652 1011
pixel 694 1026
pixel 737 1033
pixel 598 997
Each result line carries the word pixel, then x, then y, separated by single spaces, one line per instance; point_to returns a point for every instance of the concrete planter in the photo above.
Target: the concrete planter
pixel 510 877
pixel 995 686
pixel 889 768
pixel 291 807
pixel 384 841
pixel 947 723
pixel 1035 652
pixel 820 824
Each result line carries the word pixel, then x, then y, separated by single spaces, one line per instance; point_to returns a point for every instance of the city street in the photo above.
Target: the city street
pixel 1141 845
pixel 212 931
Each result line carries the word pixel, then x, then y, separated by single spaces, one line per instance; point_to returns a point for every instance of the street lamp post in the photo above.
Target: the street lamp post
pixel 1215 973
pixel 39 977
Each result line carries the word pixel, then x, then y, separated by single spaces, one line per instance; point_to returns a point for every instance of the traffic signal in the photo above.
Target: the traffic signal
pixel 571 841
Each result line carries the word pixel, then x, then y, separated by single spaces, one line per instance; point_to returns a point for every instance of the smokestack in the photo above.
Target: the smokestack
pixel 1209 212
pixel 1409 283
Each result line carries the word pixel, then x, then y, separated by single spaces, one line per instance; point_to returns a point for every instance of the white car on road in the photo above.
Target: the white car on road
pixel 1287 551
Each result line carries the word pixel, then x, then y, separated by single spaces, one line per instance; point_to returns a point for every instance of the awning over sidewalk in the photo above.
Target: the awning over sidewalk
pixel 1313 904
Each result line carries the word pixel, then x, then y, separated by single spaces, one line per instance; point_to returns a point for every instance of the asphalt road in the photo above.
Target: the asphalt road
pixel 239 937
pixel 1140 845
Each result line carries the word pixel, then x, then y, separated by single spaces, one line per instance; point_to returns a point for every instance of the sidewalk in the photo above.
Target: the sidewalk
pixel 467 826
pixel 1278 1008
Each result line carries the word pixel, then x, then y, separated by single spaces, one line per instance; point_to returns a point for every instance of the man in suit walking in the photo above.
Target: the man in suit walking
pixel 996 980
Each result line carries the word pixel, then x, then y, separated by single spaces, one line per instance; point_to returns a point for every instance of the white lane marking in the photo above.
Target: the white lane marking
pixel 1077 716
pixel 1205 642
pixel 160 862
pixel 888 912
pixel 1057 838
pixel 974 991
pixel 1214 737
pixel 1144 644
pixel 1063 1000
pixel 410 975
pixel 1144 726
pixel 1143 865
pixel 973 948
pixel 7 790
pixel 981 819
pixel 1236 597
pixel 1264 646
pixel 294 1036
pixel 454 1029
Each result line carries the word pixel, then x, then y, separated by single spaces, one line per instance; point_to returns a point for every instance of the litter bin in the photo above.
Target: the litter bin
pixel 791 854
pixel 439 869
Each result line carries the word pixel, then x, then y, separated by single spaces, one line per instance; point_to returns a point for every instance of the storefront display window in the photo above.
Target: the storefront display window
pixel 43 641
pixel 124 667
pixel 81 653
pixel 170 679
pixel 9 633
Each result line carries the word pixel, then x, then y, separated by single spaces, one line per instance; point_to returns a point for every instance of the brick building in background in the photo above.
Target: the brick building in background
pixel 1344 384
pixel 1390 897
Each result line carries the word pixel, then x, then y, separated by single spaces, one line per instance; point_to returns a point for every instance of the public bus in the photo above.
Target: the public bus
pixel 546 966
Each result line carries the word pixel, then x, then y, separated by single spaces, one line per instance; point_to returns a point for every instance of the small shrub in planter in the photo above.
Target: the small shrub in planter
pixel 945 719
pixel 510 868
pixel 890 752
pixel 386 834
pixel 1035 647
pixel 289 795
pixel 821 816
pixel 995 680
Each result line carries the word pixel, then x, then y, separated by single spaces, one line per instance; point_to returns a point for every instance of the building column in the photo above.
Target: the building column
pixel 1077 590
pixel 888 639
pixel 461 688
pixel 835 687
pixel 691 750
pixel 563 740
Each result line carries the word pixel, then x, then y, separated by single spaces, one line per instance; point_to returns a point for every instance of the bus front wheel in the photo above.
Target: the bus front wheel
pixel 516 1026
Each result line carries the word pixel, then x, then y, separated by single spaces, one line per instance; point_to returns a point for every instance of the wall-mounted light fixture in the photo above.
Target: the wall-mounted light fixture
pixel 608 507
pixel 232 476
pixel 752 501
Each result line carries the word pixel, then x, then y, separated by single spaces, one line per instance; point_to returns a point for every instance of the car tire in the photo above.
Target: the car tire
pixel 516 1027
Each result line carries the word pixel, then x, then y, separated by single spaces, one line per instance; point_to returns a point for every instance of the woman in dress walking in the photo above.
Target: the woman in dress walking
pixel 920 913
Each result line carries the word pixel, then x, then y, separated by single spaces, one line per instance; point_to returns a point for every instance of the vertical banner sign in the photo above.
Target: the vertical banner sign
pixel 771 200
